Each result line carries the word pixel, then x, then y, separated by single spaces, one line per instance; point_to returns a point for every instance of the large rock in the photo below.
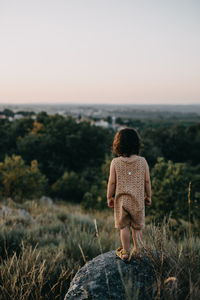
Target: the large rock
pixel 25 214
pixel 5 211
pixel 46 201
pixel 108 277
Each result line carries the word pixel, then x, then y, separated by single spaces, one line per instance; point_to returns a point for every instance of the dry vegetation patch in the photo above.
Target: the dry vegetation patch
pixel 40 255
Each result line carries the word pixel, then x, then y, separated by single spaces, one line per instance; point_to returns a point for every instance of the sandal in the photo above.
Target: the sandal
pixel 121 252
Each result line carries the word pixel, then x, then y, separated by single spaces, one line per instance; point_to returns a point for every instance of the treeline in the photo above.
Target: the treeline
pixel 67 160
pixel 68 154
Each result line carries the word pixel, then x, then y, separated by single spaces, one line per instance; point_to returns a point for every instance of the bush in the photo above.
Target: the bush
pixel 69 187
pixel 20 181
pixel 95 198
pixel 170 183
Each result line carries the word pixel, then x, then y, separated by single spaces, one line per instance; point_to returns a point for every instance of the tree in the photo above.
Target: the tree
pixel 69 187
pixel 60 144
pixel 20 181
pixel 193 138
pixel 95 197
pixel 170 188
pixel 109 119
pixel 5 140
pixel 8 112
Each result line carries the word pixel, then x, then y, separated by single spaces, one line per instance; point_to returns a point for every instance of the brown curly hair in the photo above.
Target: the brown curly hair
pixel 126 142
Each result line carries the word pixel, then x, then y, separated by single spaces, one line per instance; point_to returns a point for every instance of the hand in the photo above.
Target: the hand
pixel 110 202
pixel 147 201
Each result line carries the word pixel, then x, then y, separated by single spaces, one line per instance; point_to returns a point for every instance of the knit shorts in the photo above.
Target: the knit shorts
pixel 125 215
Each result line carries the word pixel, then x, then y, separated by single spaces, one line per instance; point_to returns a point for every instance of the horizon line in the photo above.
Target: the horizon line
pixel 106 104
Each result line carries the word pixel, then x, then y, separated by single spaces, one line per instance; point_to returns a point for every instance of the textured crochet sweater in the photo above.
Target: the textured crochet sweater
pixel 130 181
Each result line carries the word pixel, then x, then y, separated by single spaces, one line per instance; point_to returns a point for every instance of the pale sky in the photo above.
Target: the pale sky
pixel 100 51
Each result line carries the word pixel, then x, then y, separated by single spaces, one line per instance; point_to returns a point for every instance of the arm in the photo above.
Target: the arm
pixel 111 185
pixel 147 186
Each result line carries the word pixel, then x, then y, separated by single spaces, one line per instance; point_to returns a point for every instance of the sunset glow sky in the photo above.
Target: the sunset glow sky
pixel 100 51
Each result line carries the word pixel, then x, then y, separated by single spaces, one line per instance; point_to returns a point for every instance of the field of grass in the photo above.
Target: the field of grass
pixel 40 255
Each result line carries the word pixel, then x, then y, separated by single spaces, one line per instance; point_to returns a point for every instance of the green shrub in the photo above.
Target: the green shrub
pixel 69 187
pixel 170 183
pixel 20 181
pixel 96 197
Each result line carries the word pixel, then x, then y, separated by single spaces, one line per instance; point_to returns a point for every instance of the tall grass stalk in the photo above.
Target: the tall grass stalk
pixel 189 218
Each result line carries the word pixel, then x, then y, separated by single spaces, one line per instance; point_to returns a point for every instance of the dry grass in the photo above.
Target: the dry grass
pixel 38 259
pixel 27 276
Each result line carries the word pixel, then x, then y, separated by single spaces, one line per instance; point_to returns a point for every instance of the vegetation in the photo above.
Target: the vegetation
pixel 20 181
pixel 70 160
pixel 40 256
pixel 42 245
pixel 170 182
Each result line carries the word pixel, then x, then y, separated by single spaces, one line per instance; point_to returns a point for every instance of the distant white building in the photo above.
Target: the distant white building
pixel 102 123
pixel 18 116
pixel 61 113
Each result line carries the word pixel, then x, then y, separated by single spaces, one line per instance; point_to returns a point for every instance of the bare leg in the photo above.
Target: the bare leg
pixel 125 235
pixel 137 239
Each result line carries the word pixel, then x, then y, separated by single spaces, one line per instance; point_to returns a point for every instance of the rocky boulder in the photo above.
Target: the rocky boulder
pixel 46 201
pixel 108 277
pixel 25 214
pixel 5 211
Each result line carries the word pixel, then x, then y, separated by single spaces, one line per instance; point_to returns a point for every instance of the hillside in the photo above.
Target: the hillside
pixel 43 244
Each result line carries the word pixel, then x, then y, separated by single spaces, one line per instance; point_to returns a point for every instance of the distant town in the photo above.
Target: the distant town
pixel 107 116
pixel 79 115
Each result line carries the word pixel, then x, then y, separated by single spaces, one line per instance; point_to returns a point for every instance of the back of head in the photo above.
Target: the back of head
pixel 127 142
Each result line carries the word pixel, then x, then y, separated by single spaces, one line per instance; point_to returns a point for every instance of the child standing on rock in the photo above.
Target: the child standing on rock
pixel 129 179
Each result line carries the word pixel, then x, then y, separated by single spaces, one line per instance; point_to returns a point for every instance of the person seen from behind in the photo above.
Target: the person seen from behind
pixel 129 180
